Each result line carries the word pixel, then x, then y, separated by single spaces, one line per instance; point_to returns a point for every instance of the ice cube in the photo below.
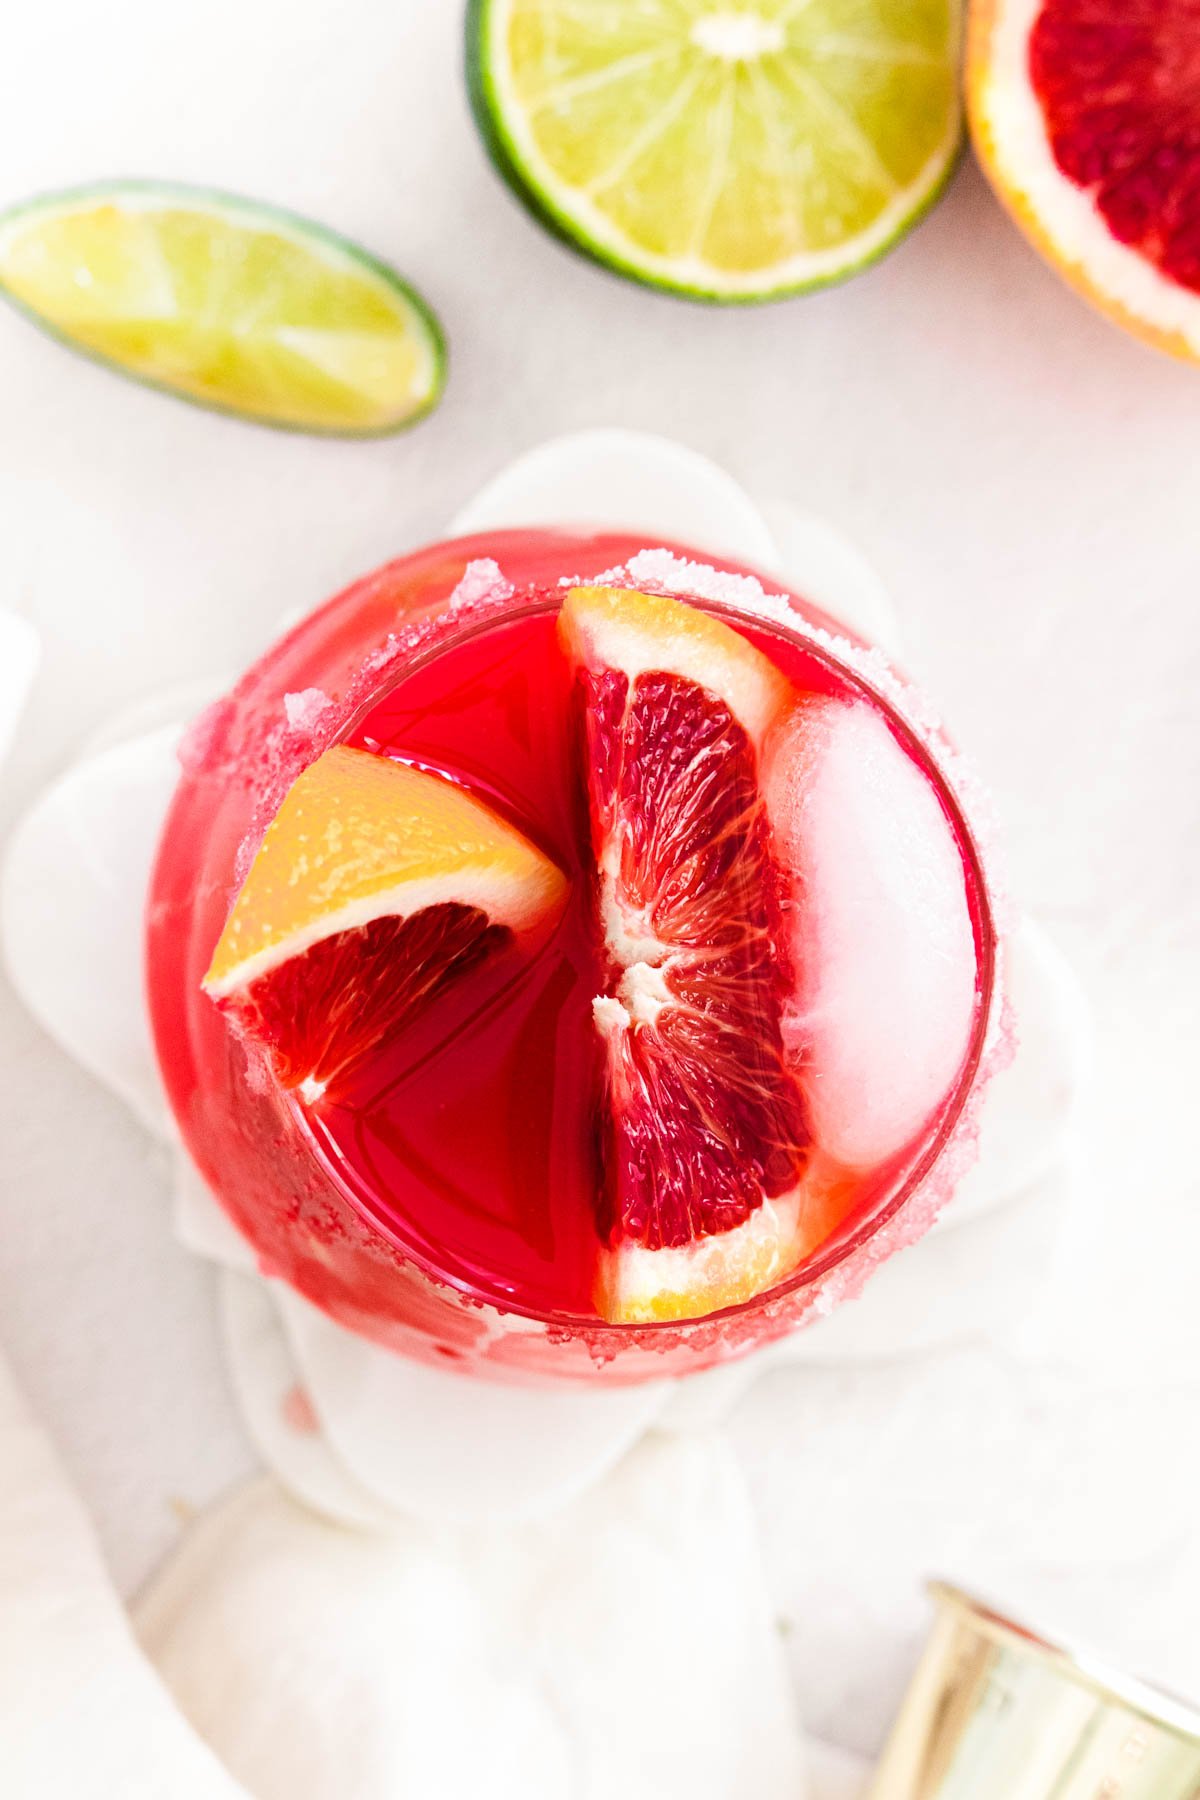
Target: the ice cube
pixel 881 929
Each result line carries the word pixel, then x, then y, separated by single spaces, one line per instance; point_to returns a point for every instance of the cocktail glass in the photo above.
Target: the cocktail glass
pixel 311 1221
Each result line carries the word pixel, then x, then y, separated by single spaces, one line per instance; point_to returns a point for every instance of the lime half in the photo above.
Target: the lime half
pixel 227 303
pixel 724 149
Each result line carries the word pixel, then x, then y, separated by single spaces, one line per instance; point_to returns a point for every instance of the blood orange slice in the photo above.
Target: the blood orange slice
pixel 375 885
pixel 706 1142
pixel 1086 117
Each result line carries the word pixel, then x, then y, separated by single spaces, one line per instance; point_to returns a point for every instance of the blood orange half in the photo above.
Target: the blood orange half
pixel 375 885
pixel 706 1141
pixel 1086 117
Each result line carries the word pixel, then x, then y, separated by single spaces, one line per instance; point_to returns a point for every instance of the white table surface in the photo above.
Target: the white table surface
pixel 1024 478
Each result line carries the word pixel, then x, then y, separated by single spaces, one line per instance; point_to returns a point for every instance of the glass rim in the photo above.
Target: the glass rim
pixel 822 1263
pixel 1154 1704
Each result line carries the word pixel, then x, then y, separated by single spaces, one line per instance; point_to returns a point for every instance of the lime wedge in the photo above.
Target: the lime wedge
pixel 227 303
pixel 730 150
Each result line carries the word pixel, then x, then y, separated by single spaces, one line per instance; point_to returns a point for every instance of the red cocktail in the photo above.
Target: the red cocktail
pixel 732 1067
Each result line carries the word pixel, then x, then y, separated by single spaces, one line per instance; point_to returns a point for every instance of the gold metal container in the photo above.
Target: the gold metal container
pixel 996 1712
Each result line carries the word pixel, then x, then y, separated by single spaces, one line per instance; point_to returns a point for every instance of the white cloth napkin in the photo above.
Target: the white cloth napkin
pixel 621 1645
pixel 82 1713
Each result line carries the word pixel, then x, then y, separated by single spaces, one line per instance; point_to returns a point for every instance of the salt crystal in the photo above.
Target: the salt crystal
pixel 305 708
pixel 678 576
pixel 482 579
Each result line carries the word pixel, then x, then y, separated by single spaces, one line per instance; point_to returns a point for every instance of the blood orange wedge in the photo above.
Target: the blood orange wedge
pixel 375 885
pixel 706 1143
pixel 1086 117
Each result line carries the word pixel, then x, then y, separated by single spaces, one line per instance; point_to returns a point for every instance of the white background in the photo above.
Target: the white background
pixel 1026 481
